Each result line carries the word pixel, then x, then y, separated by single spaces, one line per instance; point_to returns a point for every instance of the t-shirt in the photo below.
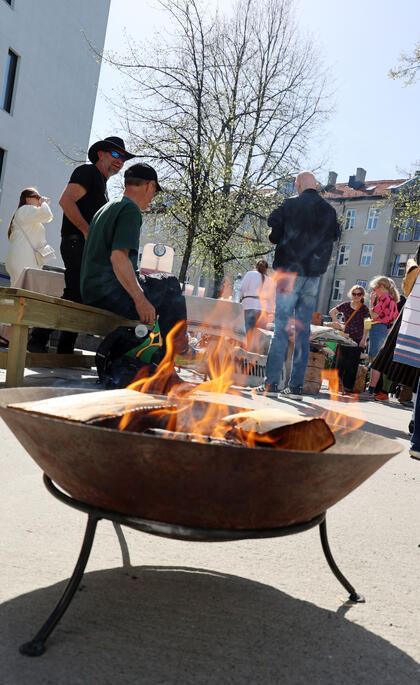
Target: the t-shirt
pixel 256 293
pixel 115 226
pixel 356 326
pixel 94 182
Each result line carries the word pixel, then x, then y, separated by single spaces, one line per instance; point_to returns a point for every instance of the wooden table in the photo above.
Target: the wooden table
pixel 23 309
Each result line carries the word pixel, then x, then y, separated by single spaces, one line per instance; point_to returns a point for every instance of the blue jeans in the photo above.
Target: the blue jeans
pixel 301 301
pixel 251 318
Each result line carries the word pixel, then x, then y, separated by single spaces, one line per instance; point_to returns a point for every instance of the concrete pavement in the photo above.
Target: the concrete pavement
pixel 165 611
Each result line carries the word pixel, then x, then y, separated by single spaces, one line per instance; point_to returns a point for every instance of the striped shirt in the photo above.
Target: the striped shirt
pixel 407 347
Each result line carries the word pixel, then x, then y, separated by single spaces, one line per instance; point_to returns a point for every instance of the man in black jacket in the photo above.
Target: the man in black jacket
pixel 303 229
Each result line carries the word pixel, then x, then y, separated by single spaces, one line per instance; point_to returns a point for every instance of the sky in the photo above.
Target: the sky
pixel 375 120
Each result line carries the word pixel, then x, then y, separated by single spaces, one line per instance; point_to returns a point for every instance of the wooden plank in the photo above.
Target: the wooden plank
pixel 34 309
pixel 51 360
pixel 16 356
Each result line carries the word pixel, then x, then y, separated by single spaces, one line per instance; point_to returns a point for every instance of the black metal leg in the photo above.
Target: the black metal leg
pixel 36 646
pixel 354 596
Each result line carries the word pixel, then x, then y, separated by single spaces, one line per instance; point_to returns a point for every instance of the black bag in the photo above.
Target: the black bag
pixel 115 367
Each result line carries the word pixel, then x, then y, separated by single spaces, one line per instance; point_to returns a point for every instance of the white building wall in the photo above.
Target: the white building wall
pixel 54 97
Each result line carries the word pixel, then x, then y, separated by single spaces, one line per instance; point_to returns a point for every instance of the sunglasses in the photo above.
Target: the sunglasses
pixel 118 155
pixel 38 197
pixel 357 294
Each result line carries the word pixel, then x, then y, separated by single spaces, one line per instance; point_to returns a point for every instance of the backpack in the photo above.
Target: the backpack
pixel 121 355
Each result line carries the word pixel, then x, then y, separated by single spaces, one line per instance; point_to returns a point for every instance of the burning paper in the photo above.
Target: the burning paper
pixel 93 405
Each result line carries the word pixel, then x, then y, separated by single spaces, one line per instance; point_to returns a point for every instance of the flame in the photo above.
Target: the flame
pixel 189 414
pixel 336 420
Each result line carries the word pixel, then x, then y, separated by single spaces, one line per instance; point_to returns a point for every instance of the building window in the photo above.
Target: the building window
pixel 416 232
pixel 366 256
pixel 404 233
pixel 9 81
pixel 350 219
pixel 400 262
pixel 338 289
pixel 372 221
pixel 363 284
pixel 343 255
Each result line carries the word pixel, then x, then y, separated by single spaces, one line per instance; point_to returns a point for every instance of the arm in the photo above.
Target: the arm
pixel 276 222
pixel 71 194
pixel 124 271
pixel 333 314
pixel 33 215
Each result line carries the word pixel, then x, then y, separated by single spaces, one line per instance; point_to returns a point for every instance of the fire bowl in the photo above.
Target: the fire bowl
pixel 188 483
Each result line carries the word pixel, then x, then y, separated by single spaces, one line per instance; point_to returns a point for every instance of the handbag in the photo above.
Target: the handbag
pixel 44 254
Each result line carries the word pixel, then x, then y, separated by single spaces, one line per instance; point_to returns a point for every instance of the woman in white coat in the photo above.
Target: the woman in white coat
pixel 27 233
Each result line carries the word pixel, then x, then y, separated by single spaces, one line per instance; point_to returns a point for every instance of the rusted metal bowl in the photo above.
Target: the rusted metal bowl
pixel 187 483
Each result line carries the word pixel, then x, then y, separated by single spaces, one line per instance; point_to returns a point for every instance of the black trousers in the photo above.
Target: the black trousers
pixel 71 249
pixel 347 362
pixel 164 293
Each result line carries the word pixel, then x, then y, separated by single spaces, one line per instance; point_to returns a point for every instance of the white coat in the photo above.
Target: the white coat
pixel 28 234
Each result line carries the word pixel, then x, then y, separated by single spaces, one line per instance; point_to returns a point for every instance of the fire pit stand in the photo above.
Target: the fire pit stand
pixel 36 646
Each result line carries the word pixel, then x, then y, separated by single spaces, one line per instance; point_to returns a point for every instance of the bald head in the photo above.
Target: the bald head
pixel 305 180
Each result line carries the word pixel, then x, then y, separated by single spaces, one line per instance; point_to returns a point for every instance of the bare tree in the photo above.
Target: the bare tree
pixel 408 68
pixel 228 106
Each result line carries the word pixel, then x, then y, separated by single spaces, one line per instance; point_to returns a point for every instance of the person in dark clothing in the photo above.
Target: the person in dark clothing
pixel 84 194
pixel 303 229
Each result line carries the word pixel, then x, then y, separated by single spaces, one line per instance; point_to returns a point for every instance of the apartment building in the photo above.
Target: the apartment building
pixel 48 79
pixel 406 229
pixel 366 245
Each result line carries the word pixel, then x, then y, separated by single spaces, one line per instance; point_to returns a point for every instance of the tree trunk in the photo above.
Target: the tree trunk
pixel 219 274
pixel 187 254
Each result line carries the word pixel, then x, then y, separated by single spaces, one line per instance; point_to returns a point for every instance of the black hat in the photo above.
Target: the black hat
pixel 108 144
pixel 144 171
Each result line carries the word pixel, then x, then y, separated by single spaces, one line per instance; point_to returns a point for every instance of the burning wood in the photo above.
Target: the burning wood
pixel 275 428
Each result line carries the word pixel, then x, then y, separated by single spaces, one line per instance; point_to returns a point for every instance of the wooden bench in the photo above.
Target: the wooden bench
pixel 23 309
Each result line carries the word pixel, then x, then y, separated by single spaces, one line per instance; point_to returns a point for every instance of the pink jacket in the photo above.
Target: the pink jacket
pixel 386 308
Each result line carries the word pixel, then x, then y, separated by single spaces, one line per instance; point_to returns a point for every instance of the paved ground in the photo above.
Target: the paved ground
pixel 264 612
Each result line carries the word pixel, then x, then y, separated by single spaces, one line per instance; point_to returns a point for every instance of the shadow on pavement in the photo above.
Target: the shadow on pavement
pixel 177 625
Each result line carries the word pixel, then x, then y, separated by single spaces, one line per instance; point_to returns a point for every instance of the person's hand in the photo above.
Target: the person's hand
pixel 362 343
pixel 45 199
pixel 145 310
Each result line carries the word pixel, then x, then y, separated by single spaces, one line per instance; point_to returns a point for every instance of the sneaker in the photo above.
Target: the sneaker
pixel 381 397
pixel 291 393
pixel 414 454
pixel 267 390
pixel 365 395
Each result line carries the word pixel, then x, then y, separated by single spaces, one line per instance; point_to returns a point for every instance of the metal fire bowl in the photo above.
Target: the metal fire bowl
pixel 188 483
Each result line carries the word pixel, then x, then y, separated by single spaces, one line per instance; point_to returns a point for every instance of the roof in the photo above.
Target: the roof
pixel 343 191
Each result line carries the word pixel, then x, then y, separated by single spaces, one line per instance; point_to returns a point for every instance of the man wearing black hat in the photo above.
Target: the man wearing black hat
pixel 109 277
pixel 84 194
